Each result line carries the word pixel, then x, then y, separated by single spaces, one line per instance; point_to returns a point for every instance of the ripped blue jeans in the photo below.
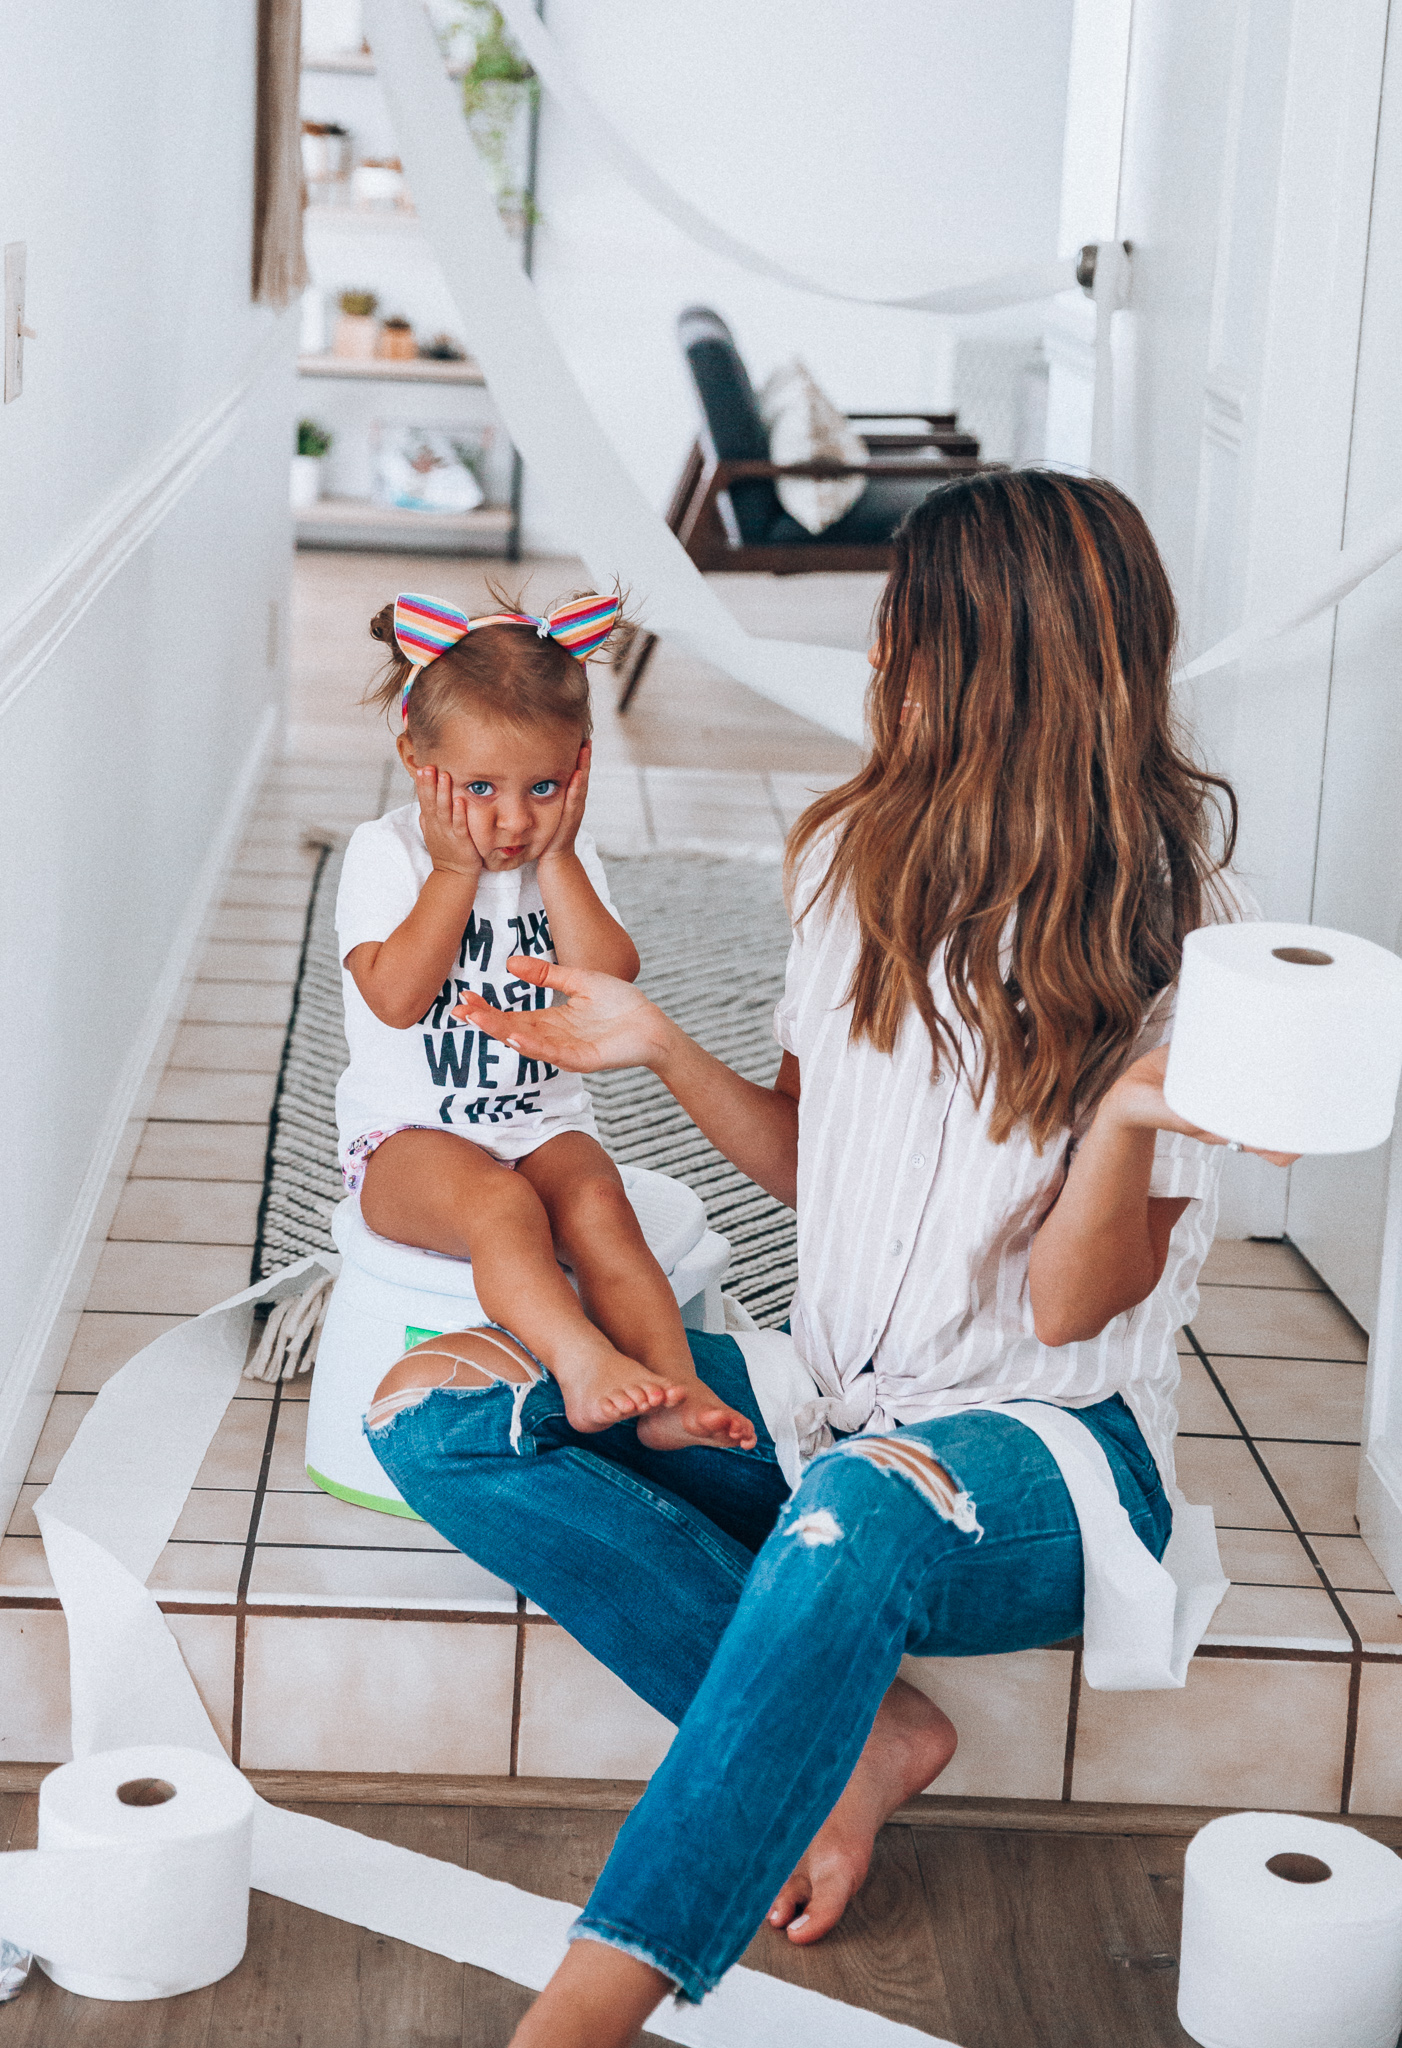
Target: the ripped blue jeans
pixel 768 1628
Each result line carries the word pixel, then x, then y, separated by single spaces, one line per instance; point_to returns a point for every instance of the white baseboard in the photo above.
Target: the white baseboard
pixel 29 1385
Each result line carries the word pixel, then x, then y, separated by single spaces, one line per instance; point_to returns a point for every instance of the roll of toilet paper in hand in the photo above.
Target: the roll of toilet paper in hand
pixel 1287 1037
pixel 139 1886
pixel 1292 1936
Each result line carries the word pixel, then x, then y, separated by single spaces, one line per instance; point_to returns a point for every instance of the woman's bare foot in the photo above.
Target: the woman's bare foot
pixel 697 1417
pixel 910 1743
pixel 601 1387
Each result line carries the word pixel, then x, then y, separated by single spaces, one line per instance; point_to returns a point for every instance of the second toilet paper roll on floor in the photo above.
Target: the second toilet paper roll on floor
pixel 1287 1037
pixel 1292 1935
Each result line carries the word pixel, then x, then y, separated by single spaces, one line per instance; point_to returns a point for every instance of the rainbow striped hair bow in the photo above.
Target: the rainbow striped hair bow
pixel 425 627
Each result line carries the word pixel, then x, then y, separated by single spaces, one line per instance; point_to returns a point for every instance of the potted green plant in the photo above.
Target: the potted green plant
pixel 397 343
pixel 499 89
pixel 357 329
pixel 313 441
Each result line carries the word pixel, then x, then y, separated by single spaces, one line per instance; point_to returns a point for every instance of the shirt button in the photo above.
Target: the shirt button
pixel 917 1158
pixel 895 1247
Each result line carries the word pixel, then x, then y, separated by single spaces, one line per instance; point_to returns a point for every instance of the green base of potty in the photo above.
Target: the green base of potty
pixel 381 1503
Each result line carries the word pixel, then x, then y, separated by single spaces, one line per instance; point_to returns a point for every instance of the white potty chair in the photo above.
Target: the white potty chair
pixel 392 1296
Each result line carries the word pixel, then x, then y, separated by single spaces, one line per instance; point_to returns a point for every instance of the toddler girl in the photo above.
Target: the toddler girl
pixel 455 1142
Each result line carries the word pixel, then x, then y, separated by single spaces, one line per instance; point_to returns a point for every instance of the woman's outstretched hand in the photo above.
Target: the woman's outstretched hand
pixel 605 1023
pixel 1137 1099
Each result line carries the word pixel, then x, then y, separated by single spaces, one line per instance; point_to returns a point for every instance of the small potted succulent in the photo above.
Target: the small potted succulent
pixel 312 443
pixel 357 330
pixel 397 343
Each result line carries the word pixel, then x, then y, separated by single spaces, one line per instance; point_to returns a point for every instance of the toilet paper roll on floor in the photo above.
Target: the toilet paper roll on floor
pixel 1287 1037
pixel 1292 1935
pixel 139 1885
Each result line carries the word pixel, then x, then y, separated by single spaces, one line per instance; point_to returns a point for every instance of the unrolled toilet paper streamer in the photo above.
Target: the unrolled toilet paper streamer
pixel 139 1886
pixel 611 522
pixel 543 53
pixel 1287 1037
pixel 1290 1957
pixel 153 1422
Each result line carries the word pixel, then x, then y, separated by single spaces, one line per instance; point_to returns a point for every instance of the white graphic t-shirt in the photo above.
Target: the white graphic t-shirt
pixel 441 1072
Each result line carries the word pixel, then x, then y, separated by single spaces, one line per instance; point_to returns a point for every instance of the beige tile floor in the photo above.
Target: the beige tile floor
pixel 325 1637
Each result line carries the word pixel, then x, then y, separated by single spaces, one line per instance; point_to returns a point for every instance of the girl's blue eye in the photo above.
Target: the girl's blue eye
pixel 544 788
pixel 479 788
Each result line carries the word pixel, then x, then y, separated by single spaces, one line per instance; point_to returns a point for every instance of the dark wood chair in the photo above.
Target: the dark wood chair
pixel 726 511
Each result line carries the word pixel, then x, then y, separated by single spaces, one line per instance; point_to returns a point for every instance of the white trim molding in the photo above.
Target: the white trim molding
pixel 124 522
pixel 28 1386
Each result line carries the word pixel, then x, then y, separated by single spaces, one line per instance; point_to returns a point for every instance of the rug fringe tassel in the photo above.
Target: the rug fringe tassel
pixel 291 1335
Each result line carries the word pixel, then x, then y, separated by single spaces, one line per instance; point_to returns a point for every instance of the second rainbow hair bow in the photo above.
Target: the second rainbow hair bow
pixel 425 627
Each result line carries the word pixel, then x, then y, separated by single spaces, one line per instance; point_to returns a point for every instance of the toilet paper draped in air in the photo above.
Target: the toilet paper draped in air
pixel 1304 1955
pixel 1287 1037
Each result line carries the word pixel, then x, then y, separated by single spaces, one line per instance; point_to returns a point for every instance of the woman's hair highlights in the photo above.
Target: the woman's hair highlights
pixel 508 673
pixel 1026 805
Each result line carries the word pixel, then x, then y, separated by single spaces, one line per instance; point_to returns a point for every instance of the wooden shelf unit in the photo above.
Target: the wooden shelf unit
pixel 384 369
pixel 360 523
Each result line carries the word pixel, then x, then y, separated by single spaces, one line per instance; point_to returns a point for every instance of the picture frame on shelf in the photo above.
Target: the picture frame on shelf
pixel 439 468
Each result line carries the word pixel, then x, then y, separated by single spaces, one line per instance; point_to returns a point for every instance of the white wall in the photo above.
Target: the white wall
pixel 889 147
pixel 131 712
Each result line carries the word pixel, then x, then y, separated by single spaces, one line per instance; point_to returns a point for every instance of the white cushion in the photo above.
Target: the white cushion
pixel 805 426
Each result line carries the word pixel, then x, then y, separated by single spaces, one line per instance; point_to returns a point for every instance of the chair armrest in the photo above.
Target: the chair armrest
pixel 727 473
pixel 953 443
pixel 911 412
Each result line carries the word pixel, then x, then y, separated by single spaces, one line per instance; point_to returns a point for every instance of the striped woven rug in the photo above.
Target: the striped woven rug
pixel 713 937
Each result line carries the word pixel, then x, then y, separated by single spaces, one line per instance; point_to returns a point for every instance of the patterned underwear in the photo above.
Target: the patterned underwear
pixel 359 1149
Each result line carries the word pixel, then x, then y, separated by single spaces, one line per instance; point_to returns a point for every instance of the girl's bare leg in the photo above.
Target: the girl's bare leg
pixel 442 1192
pixel 624 1289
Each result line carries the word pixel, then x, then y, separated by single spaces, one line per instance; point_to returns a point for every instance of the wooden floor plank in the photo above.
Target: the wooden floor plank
pixel 1049 1942
pixel 317 1982
pixel 1161 1859
pixel 883 1956
pixel 557 1853
pixel 991 1938
pixel 11 1806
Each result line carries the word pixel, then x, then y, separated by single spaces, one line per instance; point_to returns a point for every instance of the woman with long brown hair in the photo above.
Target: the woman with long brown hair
pixel 1000 1224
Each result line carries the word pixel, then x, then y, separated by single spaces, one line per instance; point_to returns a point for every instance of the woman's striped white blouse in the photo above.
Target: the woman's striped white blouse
pixel 914 1228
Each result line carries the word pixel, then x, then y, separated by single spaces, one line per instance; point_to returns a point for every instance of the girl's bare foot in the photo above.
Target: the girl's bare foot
pixel 910 1743
pixel 696 1417
pixel 601 1387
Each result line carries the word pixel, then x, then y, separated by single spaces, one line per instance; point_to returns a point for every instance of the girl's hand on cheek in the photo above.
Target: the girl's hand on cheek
pixel 447 835
pixel 572 809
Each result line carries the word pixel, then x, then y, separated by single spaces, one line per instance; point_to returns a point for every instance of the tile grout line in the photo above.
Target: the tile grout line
pixel 1355 1692
pixel 246 1570
pixel 1355 1639
pixel 518 1677
pixel 1270 1480
pixel 1073 1709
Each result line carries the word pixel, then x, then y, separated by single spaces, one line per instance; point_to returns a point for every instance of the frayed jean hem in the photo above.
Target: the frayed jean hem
pixel 689 1986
